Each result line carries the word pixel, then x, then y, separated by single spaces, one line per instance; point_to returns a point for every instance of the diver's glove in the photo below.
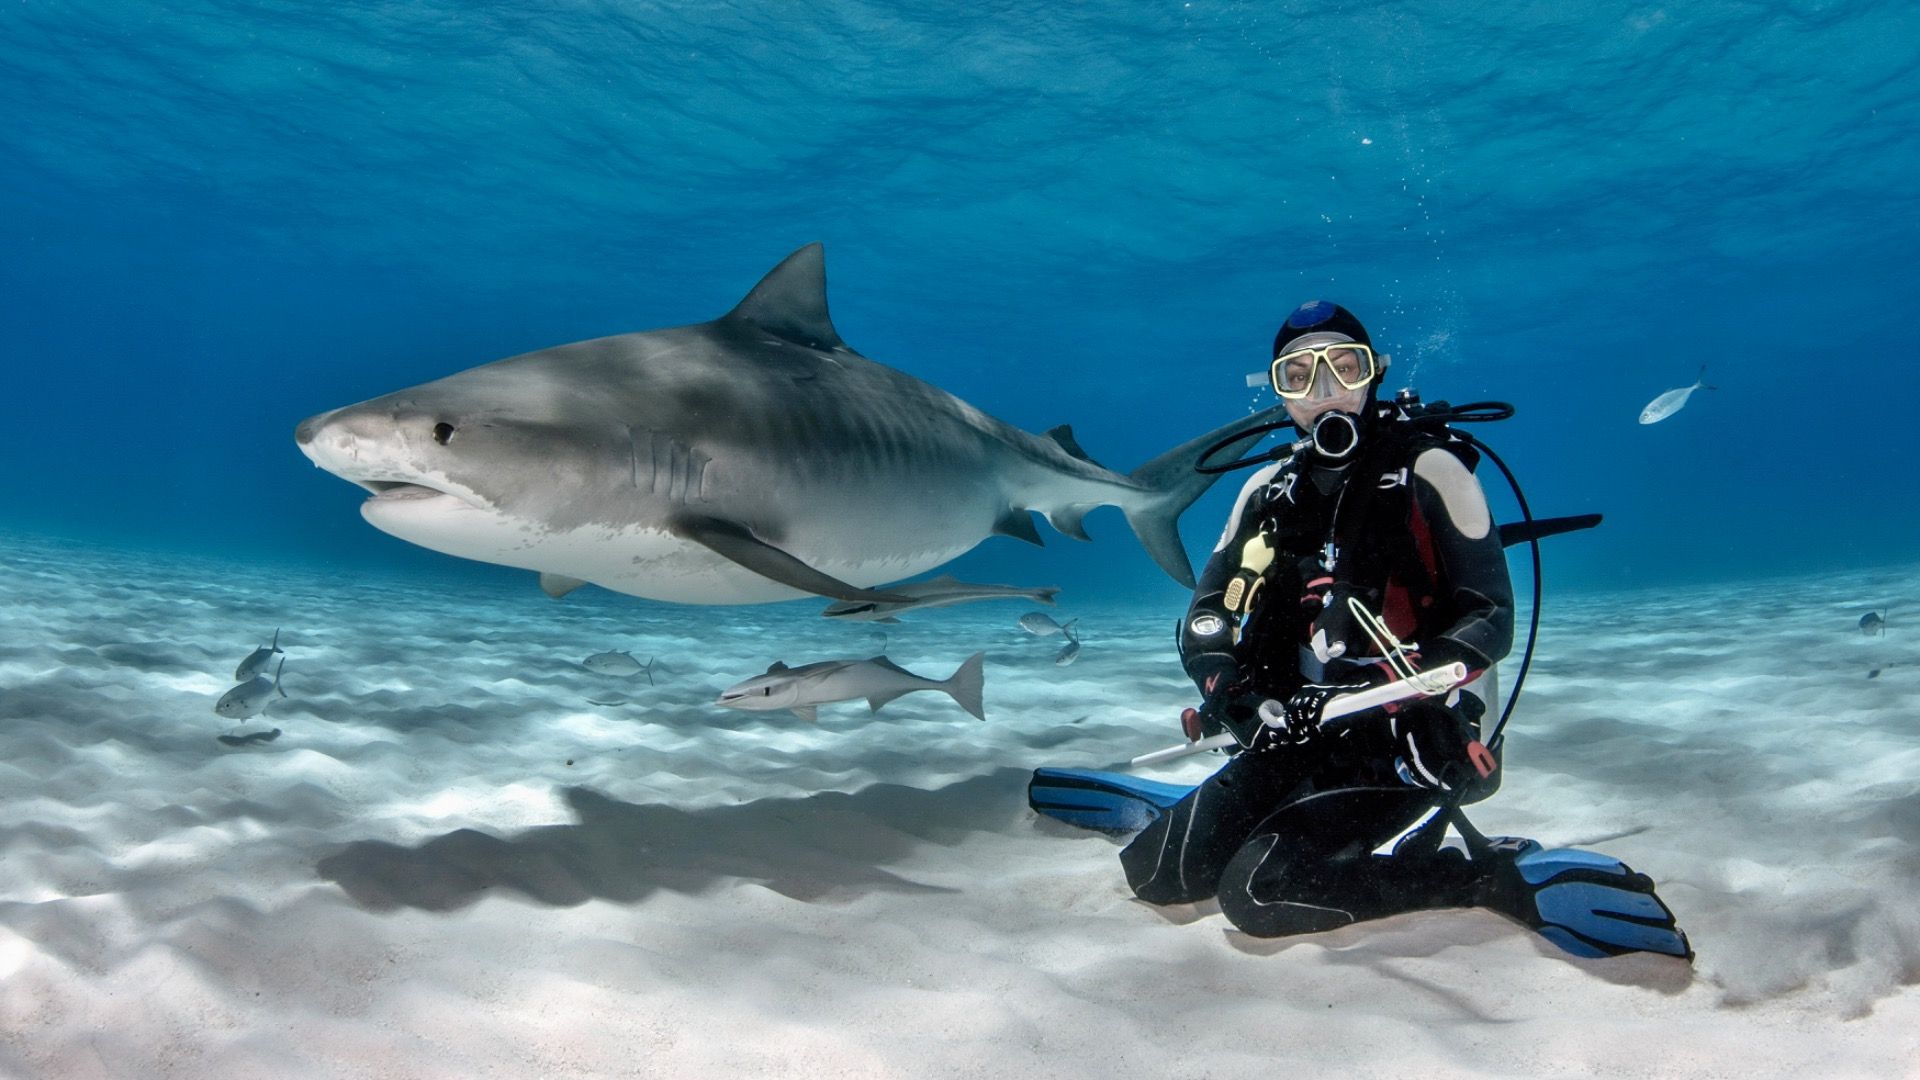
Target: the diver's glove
pixel 1229 701
pixel 1332 631
pixel 1300 718
pixel 1434 748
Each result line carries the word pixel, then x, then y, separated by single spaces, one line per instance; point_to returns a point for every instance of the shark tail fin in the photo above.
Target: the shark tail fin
pixel 1048 596
pixel 275 647
pixel 967 683
pixel 1172 485
pixel 276 676
pixel 1702 380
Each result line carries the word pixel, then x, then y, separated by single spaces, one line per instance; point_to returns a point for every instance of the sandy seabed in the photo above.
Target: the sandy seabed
pixel 456 860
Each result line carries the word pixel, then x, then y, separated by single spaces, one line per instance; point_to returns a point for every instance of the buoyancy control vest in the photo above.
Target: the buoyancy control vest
pixel 1364 537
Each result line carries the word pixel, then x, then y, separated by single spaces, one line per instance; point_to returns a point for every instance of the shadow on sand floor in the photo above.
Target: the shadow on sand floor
pixel 825 846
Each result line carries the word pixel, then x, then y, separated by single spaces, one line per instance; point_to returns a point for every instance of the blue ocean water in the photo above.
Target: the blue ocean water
pixel 217 218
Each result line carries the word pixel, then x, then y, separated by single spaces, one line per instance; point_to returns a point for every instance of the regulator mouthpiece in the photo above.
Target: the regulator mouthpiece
pixel 1336 435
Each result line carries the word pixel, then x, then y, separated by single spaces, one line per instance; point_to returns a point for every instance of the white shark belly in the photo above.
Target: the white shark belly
pixel 860 549
pixel 661 566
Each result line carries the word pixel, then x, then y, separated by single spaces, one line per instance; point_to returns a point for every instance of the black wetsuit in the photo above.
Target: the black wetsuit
pixel 1286 838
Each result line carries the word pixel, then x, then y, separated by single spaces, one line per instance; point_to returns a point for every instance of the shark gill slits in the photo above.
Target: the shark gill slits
pixel 443 433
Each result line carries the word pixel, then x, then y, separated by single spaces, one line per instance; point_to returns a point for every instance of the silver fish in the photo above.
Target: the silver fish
pixel 1068 653
pixel 943 591
pixel 803 689
pixel 618 663
pixel 1873 624
pixel 1673 400
pixel 251 698
pixel 257 660
pixel 1041 624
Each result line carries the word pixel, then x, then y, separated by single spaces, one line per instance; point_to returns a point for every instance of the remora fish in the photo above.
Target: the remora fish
pixel 1673 400
pixel 257 660
pixel 749 459
pixel 879 680
pixel 942 591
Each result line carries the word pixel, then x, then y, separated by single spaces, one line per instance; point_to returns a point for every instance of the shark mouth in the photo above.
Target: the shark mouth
pixel 395 494
pixel 396 491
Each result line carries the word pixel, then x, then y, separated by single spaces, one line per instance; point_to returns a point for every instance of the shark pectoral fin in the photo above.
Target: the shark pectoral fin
pixel 888 619
pixel 1017 522
pixel 735 542
pixel 809 713
pixel 558 585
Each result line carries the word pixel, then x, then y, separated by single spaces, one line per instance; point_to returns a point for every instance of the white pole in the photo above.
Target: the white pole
pixel 1426 684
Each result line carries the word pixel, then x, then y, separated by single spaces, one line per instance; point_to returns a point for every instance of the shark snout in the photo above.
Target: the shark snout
pixel 379 446
pixel 330 440
pixel 303 434
pixel 355 423
pixel 354 443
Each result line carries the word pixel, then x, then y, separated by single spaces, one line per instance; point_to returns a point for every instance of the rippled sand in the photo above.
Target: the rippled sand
pixel 452 863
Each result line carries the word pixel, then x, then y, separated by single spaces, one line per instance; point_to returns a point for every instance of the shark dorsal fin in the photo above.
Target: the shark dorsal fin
pixel 776 668
pixel 791 301
pixel 1062 437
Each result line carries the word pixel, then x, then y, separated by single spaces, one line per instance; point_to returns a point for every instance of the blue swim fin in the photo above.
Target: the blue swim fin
pixel 1589 904
pixel 1110 802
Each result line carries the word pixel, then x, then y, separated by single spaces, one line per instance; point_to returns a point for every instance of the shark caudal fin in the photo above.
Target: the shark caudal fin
pixel 966 684
pixel 1174 485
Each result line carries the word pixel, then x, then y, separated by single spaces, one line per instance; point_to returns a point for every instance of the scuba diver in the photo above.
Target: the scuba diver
pixel 1365 554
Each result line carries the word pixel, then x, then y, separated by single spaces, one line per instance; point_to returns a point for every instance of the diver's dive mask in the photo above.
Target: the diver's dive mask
pixel 1323 371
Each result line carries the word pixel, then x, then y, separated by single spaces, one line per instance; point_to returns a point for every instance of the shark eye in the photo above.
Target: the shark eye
pixel 443 433
pixel 766 691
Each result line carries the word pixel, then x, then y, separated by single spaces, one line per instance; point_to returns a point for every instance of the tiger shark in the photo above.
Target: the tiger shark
pixel 749 459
